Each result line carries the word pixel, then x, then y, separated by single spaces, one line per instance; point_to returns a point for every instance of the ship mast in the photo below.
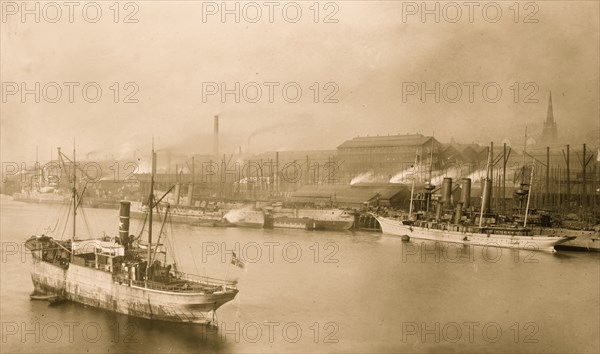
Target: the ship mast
pixel 74 202
pixel 412 191
pixel 430 160
pixel 151 206
pixel 529 193
pixel 485 189
pixel 523 166
pixel 38 170
pixel 429 187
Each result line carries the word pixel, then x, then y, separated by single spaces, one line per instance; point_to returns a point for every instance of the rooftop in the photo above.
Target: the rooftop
pixel 387 140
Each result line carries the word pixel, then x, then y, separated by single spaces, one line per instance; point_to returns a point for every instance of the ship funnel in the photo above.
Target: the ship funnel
pixel 190 194
pixel 124 222
pixel 177 194
pixel 486 198
pixel 465 193
pixel 458 214
pixel 447 191
pixel 438 210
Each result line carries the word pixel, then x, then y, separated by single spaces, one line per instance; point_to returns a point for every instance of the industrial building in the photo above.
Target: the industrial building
pixel 386 155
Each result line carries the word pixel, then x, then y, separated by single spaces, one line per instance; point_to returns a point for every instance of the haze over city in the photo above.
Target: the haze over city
pixel 368 55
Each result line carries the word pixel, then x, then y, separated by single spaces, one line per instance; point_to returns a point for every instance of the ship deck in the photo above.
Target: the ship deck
pixel 492 230
pixel 180 285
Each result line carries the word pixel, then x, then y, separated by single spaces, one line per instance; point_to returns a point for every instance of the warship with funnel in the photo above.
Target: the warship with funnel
pixel 460 224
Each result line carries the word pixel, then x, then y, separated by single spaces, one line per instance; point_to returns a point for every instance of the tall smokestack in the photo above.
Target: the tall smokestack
pixel 216 137
pixel 465 193
pixel 177 193
pixel 447 192
pixel 486 198
pixel 458 214
pixel 439 209
pixel 124 223
pixel 190 194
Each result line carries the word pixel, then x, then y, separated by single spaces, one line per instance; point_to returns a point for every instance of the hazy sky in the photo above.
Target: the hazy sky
pixel 372 55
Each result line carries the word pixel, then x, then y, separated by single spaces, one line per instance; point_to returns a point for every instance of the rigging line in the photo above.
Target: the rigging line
pixel 174 255
pixel 66 222
pixel 168 244
pixel 64 216
pixel 83 172
pixel 171 242
pixel 80 197
pixel 47 229
pixel 143 228
pixel 164 195
pixel 51 231
pixel 160 235
pixel 193 259
pixel 85 221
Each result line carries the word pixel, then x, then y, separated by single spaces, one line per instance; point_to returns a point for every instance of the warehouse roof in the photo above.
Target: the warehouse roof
pixel 387 140
pixel 343 194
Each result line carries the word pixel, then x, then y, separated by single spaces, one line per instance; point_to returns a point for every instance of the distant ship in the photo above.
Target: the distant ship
pixel 493 236
pixel 316 219
pixel 459 229
pixel 45 195
pixel 287 222
pixel 245 218
pixel 122 274
pixel 255 217
pixel 309 219
pixel 184 214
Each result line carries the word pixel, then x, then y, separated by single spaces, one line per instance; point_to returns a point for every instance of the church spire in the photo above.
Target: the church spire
pixel 550 132
pixel 550 115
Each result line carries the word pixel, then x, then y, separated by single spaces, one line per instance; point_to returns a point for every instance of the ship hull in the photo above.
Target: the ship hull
pixel 195 220
pixel 39 199
pixel 314 219
pixel 286 222
pixel 246 218
pixel 332 225
pixel 587 240
pixel 248 224
pixel 98 289
pixel 539 243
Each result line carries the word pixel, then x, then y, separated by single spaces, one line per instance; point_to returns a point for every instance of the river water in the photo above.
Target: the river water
pixel 307 291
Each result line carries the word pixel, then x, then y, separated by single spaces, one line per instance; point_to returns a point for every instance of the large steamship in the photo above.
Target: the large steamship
pixel 123 274
pixel 460 224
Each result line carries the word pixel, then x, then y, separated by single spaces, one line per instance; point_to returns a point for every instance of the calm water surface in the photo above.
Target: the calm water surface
pixel 305 291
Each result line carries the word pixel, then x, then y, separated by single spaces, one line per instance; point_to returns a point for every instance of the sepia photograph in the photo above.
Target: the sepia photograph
pixel 306 176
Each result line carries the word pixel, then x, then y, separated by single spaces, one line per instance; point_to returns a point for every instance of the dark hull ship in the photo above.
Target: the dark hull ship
pixel 122 274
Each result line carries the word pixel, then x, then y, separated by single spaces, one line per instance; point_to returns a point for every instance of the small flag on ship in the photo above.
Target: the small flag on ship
pixel 237 262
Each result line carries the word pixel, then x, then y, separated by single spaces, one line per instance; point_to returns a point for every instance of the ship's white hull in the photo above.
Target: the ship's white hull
pixel 587 240
pixel 536 242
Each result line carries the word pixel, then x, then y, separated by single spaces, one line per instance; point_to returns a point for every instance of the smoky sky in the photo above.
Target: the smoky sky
pixel 363 54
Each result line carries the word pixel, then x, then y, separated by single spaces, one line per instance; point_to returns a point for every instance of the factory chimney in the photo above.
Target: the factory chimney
pixel 216 136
